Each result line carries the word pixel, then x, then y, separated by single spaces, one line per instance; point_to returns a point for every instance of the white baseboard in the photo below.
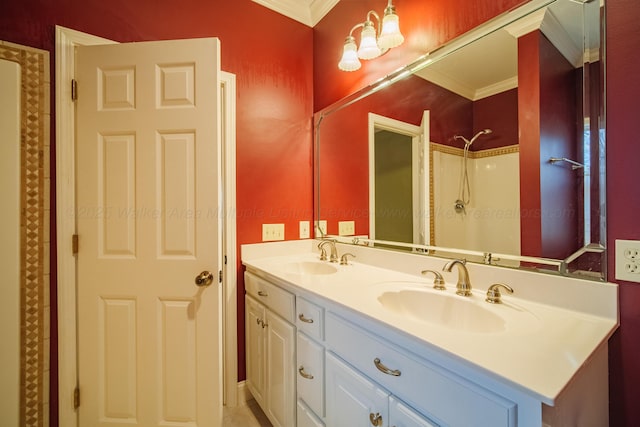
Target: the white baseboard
pixel 243 393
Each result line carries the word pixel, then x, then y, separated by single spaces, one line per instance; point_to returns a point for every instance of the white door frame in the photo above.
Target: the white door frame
pixel 420 166
pixel 66 41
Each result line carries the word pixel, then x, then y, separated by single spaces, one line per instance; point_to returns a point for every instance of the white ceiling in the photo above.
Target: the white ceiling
pixel 308 12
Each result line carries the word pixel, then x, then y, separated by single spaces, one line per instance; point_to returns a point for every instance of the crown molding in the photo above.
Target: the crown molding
pixel 319 8
pixel 307 12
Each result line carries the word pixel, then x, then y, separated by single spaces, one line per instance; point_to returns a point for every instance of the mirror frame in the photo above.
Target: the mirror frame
pixel 34 230
pixel 546 265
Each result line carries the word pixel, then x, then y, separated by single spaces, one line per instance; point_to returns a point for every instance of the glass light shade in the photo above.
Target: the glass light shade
pixel 349 61
pixel 390 35
pixel 368 44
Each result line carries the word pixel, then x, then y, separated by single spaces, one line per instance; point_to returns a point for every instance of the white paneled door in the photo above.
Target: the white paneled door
pixel 148 174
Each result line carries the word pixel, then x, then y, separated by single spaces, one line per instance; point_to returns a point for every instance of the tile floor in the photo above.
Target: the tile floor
pixel 249 415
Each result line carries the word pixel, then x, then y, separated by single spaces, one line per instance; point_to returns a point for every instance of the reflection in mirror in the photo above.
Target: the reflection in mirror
pixel 491 147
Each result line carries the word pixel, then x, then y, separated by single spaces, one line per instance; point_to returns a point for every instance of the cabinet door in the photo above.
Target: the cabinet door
pixel 353 400
pixel 281 362
pixel 255 352
pixel 400 415
pixel 306 417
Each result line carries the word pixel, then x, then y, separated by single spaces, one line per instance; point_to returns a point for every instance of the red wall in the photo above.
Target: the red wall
pixel 529 120
pixel 623 199
pixel 559 184
pixel 547 119
pixel 499 113
pixel 272 59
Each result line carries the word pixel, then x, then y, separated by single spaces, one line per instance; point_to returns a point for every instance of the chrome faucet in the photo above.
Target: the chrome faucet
pixel 323 252
pixel 463 287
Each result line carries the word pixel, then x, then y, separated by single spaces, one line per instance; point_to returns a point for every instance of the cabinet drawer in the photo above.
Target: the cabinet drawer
pixel 310 373
pixel 310 318
pixel 421 384
pixel 277 299
pixel 352 398
pixel 400 415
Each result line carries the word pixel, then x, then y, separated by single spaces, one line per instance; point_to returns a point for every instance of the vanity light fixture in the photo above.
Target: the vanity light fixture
pixel 372 43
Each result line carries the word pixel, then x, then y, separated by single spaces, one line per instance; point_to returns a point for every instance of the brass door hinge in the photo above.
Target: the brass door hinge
pixel 76 398
pixel 220 276
pixel 74 244
pixel 74 90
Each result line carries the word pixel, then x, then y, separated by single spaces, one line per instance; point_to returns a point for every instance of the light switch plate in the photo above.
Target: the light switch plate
pixel 272 232
pixel 320 227
pixel 346 228
pixel 304 230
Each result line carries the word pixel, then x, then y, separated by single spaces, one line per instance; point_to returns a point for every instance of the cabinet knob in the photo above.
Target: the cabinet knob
pixel 376 420
pixel 263 294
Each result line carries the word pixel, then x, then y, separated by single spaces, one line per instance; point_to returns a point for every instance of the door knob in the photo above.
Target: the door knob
pixel 204 279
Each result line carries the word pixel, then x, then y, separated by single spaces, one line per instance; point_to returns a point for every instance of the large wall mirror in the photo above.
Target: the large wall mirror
pixel 489 148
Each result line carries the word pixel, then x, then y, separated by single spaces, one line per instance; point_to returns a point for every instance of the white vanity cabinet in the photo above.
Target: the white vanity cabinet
pixel 355 359
pixel 433 391
pixel 270 342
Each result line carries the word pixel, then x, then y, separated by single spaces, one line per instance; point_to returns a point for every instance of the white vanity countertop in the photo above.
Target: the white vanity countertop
pixel 539 356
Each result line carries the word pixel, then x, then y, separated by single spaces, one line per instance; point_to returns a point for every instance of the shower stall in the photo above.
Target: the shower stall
pixel 476 197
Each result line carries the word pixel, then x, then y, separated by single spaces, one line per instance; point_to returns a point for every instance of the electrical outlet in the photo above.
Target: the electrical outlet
pixel 304 230
pixel 272 232
pixel 346 228
pixel 628 260
pixel 320 227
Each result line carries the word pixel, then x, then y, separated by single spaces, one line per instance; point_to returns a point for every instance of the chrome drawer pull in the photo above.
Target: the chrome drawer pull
pixel 304 319
pixel 384 369
pixel 303 374
pixel 376 420
pixel 263 294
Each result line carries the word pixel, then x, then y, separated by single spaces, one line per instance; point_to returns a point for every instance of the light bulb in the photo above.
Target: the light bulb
pixel 390 35
pixel 368 44
pixel 349 61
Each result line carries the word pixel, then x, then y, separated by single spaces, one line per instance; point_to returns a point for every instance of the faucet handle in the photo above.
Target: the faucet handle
pixel 344 260
pixel 438 281
pixel 493 293
pixel 323 251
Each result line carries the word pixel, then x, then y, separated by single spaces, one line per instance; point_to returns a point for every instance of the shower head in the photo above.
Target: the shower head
pixel 477 135
pixel 467 143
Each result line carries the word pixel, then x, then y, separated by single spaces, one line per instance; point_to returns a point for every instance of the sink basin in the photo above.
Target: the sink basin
pixel 447 310
pixel 309 267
